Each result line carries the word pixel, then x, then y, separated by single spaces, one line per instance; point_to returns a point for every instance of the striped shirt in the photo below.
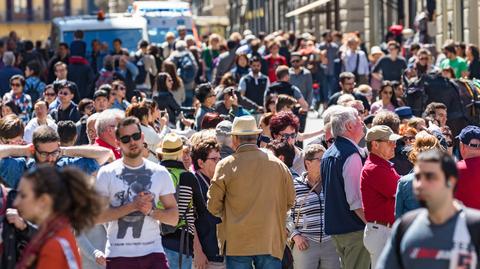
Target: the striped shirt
pixel 311 220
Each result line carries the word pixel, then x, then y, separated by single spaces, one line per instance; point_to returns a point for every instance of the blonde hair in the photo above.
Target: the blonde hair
pixel 423 142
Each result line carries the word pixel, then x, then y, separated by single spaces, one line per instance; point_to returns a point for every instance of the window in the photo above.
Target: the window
pixel 19 10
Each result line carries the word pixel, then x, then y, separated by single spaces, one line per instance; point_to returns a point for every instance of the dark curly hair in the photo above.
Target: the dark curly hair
pixel 281 121
pixel 201 150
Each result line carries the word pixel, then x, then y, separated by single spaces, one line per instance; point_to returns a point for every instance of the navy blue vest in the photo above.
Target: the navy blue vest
pixel 254 91
pixel 339 219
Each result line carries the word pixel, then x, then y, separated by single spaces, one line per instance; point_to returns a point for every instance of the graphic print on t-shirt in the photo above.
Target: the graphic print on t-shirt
pixel 138 181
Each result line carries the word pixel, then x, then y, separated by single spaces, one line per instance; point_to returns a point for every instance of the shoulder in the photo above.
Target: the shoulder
pixel 111 167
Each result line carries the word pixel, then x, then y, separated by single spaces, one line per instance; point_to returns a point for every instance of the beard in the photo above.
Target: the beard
pixel 133 154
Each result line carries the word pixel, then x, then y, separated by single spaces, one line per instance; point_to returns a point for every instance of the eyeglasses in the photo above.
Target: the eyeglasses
pixel 63 93
pixel 295 61
pixel 409 138
pixel 49 94
pixel 45 154
pixel 288 136
pixel 15 84
pixel 126 139
pixel 216 159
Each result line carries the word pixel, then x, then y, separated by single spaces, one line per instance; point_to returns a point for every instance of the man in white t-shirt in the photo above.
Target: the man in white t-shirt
pixel 140 195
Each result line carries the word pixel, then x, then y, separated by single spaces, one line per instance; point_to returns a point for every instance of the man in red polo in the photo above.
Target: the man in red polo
pixel 378 184
pixel 469 168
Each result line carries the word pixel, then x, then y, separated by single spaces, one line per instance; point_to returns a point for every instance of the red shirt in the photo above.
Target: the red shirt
pixel 52 255
pixel 101 143
pixel 469 182
pixel 378 184
pixel 273 63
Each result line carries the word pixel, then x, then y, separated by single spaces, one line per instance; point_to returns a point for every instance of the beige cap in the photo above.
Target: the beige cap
pixel 381 132
pixel 245 125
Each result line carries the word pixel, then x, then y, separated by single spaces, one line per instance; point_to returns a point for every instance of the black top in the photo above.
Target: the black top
pixel 391 70
pixel 71 113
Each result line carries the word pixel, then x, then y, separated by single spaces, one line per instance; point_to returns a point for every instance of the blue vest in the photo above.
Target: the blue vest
pixel 339 219
pixel 254 91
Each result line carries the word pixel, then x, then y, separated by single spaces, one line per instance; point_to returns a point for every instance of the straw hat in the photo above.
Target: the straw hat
pixel 172 144
pixel 245 125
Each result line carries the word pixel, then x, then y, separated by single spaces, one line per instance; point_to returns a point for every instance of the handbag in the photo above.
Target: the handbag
pixel 291 242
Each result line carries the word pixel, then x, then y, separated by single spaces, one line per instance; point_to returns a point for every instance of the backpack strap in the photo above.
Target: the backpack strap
pixel 67 251
pixel 473 225
pixel 403 226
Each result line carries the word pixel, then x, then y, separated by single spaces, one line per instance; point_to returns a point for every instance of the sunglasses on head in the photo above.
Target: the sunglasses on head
pixel 126 139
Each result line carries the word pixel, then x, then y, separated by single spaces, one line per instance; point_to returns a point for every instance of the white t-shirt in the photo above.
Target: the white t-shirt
pixel 133 235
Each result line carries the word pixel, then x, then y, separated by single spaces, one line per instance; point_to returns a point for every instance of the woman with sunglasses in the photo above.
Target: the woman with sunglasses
pixel 405 199
pixel 59 202
pixel 388 100
pixel 21 99
pixel 49 95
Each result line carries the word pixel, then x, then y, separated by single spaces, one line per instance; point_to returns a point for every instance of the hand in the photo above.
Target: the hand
pixel 187 122
pixel 143 202
pixel 260 109
pixel 200 260
pixel 15 219
pixel 100 258
pixel 164 120
pixel 301 242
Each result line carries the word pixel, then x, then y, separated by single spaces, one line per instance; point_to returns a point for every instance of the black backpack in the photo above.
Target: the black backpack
pixel 142 72
pixel 473 225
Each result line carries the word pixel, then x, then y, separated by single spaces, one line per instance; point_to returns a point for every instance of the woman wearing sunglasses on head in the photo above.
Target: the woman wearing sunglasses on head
pixel 59 201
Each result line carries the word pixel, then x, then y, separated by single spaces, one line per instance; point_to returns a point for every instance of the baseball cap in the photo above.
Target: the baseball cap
pixel 404 112
pixel 468 133
pixel 381 132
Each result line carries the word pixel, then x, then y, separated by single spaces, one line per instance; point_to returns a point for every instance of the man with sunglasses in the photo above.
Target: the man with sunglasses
pixel 19 97
pixel 140 195
pixel 443 234
pixel 469 167
pixel 378 187
pixel 66 109
pixel 45 148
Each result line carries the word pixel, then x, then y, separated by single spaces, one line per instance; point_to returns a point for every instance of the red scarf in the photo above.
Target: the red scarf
pixel 46 231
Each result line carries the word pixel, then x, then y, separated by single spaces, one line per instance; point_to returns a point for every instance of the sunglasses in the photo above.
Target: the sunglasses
pixel 49 94
pixel 288 136
pixel 295 61
pixel 63 93
pixel 15 84
pixel 409 138
pixel 126 139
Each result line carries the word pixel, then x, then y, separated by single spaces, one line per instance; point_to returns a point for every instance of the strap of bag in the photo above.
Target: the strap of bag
pixel 405 222
pixel 297 219
pixel 67 251
pixel 357 63
pixel 183 239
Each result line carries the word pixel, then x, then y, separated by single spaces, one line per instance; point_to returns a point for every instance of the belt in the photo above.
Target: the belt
pixel 386 224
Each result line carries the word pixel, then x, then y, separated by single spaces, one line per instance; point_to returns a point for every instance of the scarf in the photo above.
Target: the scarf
pixel 48 230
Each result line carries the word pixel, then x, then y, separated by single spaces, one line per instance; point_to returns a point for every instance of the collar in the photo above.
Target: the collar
pixel 253 75
pixel 353 142
pixel 172 164
pixel 104 144
pixel 246 147
pixel 374 158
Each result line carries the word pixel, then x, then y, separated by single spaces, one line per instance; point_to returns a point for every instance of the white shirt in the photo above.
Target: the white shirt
pixel 32 125
pixel 134 235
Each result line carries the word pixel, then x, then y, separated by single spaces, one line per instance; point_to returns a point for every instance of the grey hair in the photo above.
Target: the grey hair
pixel 107 118
pixel 345 98
pixel 8 58
pixel 340 120
pixel 327 114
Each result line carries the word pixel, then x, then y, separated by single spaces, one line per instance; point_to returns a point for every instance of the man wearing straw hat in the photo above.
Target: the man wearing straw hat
pixel 251 191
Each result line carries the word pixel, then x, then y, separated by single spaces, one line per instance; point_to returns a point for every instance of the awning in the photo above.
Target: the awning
pixel 306 8
pixel 211 20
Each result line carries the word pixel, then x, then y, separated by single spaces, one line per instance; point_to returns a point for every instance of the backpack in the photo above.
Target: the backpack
pixel 186 68
pixel 473 225
pixel 182 223
pixel 142 72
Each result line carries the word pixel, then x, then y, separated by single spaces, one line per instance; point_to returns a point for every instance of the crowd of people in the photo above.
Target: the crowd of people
pixel 195 154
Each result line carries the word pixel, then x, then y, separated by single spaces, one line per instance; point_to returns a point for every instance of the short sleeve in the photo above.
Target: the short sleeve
pixel 297 94
pixel 11 170
pixel 102 182
pixel 166 181
pixel 87 165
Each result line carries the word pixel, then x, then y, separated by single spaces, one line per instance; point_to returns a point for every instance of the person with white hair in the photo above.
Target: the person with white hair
pixel 224 139
pixel 8 71
pixel 105 126
pixel 340 169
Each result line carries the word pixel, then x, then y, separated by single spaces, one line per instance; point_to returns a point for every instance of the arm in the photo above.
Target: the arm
pixel 216 192
pixel 304 136
pixel 114 213
pixel 16 151
pixel 297 94
pixel 168 215
pixel 351 174
pixel 100 154
pixel 399 201
pixel 86 247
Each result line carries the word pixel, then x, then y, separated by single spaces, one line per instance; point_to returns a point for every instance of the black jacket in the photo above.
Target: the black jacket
pixel 165 101
pixel 14 241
